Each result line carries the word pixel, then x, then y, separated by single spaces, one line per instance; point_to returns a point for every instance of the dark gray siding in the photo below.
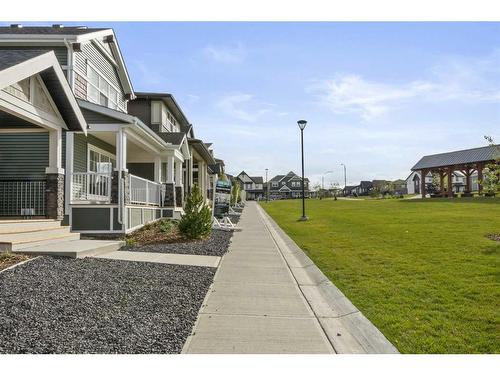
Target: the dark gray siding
pixel 144 170
pixel 23 155
pixel 80 150
pixel 97 118
pixel 92 54
pixel 90 218
pixel 61 52
pixel 140 108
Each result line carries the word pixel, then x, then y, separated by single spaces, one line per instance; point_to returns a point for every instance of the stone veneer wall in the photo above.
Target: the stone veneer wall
pixel 179 196
pixel 114 187
pixel 169 200
pixel 54 196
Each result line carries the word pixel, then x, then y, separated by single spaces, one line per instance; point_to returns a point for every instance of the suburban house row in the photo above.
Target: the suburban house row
pixel 280 187
pixel 78 144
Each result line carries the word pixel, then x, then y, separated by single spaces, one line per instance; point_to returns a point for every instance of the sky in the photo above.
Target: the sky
pixel 377 96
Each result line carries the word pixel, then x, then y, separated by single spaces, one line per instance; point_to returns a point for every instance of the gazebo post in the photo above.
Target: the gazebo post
pixel 450 187
pixel 479 167
pixel 441 182
pixel 423 174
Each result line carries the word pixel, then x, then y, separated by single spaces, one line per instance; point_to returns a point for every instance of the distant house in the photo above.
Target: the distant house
pixel 288 186
pixel 458 182
pixel 252 185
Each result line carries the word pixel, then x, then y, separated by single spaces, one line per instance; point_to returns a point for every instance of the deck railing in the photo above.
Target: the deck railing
pixel 146 192
pixel 91 186
pixel 22 197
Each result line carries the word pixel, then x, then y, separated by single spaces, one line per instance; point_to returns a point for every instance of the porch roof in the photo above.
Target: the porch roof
pixel 201 149
pixel 16 65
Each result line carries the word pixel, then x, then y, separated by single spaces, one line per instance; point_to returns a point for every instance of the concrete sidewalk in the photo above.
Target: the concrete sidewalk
pixel 255 305
pixel 269 297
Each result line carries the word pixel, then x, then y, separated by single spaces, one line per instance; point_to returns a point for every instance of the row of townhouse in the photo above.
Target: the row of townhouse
pixel 77 144
pixel 280 187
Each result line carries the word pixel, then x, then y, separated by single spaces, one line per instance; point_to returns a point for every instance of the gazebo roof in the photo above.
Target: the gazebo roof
pixel 473 155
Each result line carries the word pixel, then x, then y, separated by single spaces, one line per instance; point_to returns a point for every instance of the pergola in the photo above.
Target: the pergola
pixel 465 161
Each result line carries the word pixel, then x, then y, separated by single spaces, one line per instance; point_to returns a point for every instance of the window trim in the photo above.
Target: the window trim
pixel 91 147
pixel 88 64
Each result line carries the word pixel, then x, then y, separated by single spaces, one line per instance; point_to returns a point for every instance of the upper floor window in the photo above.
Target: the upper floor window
pixel 162 116
pixel 99 90
pixel 274 184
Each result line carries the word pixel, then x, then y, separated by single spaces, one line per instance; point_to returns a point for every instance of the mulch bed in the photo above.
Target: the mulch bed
pixel 9 259
pixel 216 245
pixel 60 305
pixel 494 236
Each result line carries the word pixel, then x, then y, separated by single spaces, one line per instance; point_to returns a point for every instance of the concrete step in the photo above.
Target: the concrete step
pixel 74 248
pixel 36 235
pixel 37 241
pixel 17 226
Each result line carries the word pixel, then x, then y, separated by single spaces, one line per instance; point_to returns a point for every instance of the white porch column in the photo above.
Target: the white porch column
pixel 202 176
pixel 170 169
pixel 55 152
pixel 157 169
pixel 178 173
pixel 121 151
pixel 190 172
pixel 70 141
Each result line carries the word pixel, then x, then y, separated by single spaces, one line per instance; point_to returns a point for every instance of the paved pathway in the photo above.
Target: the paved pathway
pixel 255 304
pixel 183 259
pixel 269 297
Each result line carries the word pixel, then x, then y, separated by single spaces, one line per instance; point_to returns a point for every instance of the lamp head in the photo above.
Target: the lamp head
pixel 302 124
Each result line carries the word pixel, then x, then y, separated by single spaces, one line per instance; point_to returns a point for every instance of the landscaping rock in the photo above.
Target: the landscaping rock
pixel 216 245
pixel 60 305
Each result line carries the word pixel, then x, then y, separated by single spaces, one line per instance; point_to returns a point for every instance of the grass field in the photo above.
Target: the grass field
pixel 422 271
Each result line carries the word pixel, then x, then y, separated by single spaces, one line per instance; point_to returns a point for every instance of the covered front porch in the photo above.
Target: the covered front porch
pixel 123 176
pixel 37 111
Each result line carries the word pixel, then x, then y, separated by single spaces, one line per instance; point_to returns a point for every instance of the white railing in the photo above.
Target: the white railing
pixel 144 191
pixel 91 186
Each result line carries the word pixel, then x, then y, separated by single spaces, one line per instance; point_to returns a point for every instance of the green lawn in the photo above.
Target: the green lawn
pixel 422 271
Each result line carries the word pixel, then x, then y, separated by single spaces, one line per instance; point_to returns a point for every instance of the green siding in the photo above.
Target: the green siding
pixel 23 155
pixel 80 150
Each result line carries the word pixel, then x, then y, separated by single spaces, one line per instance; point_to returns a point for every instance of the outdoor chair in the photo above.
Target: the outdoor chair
pixel 225 224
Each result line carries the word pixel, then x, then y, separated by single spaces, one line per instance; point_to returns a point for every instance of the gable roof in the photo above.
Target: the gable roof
pixel 68 34
pixel 171 104
pixel 277 178
pixel 16 29
pixel 257 179
pixel 473 155
pixel 16 65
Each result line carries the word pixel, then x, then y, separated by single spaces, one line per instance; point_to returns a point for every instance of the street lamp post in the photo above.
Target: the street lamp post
pixel 345 179
pixel 267 189
pixel 302 124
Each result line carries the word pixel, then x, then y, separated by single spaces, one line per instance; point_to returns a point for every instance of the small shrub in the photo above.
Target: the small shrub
pixel 130 241
pixel 166 226
pixel 197 219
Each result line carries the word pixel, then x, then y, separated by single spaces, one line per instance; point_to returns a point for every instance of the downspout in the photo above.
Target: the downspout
pixel 69 64
pixel 120 180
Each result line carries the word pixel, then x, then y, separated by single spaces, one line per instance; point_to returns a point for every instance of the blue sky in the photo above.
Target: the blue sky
pixel 377 96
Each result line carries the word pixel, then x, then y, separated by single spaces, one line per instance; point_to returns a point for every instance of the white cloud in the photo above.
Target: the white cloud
pixel 470 81
pixel 243 107
pixel 224 54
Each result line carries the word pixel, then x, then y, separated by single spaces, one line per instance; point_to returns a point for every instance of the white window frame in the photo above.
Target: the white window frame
pixel 98 150
pixel 110 85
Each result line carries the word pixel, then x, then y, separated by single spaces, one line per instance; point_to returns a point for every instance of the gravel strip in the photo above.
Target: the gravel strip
pixel 60 305
pixel 216 245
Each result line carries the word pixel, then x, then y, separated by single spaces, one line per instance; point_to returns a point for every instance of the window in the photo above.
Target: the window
pixel 274 184
pixel 99 90
pixel 100 161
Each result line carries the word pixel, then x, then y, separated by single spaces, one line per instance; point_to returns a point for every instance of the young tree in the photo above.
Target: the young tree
pixel 197 219
pixel 235 193
pixel 491 173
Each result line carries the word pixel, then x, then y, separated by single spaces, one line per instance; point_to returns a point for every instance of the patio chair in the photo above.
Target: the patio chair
pixel 225 224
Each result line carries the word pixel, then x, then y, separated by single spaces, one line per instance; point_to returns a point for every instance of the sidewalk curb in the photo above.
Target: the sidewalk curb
pixel 348 330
